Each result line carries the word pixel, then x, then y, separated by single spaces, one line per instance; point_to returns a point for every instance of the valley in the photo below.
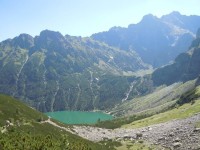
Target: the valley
pixel 174 129
pixel 125 88
pixel 55 72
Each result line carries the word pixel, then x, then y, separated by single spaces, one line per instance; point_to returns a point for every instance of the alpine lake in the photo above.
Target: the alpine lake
pixel 79 117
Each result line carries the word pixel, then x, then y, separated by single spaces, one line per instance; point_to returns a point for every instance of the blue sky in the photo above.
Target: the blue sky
pixel 82 17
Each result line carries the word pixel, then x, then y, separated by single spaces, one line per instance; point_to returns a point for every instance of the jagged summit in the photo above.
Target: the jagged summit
pixel 174 13
pixel 24 41
pixel 51 34
pixel 50 39
pixel 116 28
pixel 148 18
pixel 157 40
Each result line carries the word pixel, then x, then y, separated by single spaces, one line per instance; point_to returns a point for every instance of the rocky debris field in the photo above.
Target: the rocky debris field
pixel 176 134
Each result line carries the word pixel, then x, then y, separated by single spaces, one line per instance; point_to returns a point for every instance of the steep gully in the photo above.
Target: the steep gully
pixel 19 73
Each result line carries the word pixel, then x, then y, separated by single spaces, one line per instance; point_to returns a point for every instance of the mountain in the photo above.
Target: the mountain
pixel 54 72
pixel 176 88
pixel 22 127
pixel 157 40
pixel 185 67
pixel 186 22
pixel 174 84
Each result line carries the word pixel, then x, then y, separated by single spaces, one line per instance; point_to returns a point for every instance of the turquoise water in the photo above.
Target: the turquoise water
pixel 79 117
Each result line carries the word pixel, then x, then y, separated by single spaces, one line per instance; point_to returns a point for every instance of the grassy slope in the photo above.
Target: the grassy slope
pixel 139 145
pixel 158 100
pixel 181 112
pixel 198 124
pixel 32 130
pixel 11 109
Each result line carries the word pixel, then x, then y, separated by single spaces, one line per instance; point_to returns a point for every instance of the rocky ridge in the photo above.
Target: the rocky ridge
pixel 157 40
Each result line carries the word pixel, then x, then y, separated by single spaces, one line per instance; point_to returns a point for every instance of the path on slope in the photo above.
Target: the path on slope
pixel 56 125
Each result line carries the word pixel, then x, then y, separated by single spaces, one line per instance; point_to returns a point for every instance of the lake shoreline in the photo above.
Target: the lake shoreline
pixel 79 117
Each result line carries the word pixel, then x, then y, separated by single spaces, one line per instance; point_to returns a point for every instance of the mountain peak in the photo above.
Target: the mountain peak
pixel 148 19
pixel 116 28
pixel 175 13
pixel 24 41
pixel 51 34
pixel 50 39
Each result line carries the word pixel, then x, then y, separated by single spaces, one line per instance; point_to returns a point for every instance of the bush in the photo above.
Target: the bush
pixel 188 97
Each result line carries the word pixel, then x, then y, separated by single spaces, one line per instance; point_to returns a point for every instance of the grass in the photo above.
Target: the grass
pixel 111 144
pixel 198 90
pixel 138 145
pixel 162 97
pixel 12 109
pixel 27 127
pixel 181 112
pixel 197 125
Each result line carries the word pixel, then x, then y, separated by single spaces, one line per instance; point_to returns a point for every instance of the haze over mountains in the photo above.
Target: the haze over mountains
pixel 147 76
pixel 185 67
pixel 157 40
pixel 54 72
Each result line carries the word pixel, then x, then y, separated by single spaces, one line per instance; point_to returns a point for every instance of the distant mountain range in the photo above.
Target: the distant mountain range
pixel 185 67
pixel 53 72
pixel 157 40
pixel 176 84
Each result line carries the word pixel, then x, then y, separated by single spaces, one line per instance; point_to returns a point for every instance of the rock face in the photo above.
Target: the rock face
pixel 54 72
pixel 157 40
pixel 185 67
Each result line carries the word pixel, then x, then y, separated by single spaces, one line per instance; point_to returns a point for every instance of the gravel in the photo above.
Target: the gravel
pixel 176 134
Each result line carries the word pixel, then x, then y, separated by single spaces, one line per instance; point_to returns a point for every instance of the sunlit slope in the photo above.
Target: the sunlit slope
pixel 179 112
pixel 161 99
pixel 22 127
pixel 52 72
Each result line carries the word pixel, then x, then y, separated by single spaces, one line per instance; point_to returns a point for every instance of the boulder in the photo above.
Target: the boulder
pixel 138 135
pixel 177 140
pixel 196 130
pixel 177 144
